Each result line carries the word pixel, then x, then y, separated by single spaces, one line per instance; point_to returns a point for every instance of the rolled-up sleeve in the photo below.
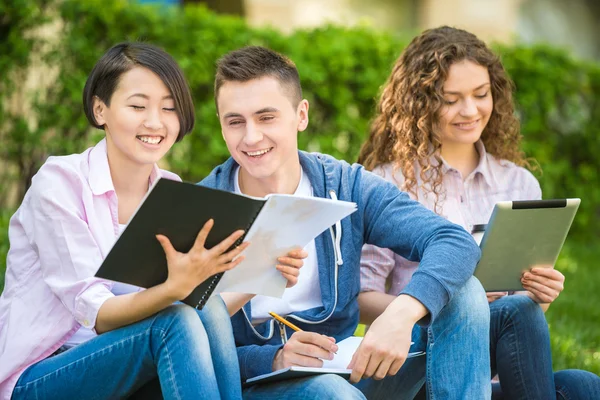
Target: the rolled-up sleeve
pixel 68 254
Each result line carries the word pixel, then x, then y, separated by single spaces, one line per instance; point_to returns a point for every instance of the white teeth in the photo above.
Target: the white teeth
pixel 258 153
pixel 466 125
pixel 150 140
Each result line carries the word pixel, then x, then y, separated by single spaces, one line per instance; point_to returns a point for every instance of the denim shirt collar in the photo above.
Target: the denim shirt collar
pixel 224 174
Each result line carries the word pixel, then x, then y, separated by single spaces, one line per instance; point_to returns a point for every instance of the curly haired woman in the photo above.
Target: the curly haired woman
pixel 446 132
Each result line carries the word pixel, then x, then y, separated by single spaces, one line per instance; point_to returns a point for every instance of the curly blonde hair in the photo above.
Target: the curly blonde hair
pixel 404 130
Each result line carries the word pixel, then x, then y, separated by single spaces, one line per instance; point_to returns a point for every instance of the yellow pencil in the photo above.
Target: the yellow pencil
pixel 285 322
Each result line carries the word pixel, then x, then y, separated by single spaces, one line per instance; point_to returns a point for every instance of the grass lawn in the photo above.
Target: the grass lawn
pixel 574 318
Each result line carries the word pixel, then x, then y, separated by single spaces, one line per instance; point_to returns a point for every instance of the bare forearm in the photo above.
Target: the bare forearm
pixel 407 307
pixel 127 309
pixel 372 304
pixel 235 301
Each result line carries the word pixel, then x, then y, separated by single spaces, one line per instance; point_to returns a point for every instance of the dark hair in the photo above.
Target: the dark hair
pixel 104 79
pixel 254 62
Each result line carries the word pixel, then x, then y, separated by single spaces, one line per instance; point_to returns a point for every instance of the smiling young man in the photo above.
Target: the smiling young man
pixel 261 110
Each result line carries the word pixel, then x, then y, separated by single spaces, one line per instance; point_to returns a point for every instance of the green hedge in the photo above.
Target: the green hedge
pixel 341 70
pixel 4 218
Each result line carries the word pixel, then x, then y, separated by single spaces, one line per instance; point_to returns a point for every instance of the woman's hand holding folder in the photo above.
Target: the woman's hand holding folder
pixel 188 270
pixel 185 272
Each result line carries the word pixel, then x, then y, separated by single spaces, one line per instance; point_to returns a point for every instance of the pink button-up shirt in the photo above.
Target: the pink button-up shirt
pixel 65 227
pixel 465 203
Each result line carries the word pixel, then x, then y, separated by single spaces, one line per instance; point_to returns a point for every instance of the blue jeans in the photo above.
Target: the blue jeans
pixel 456 365
pixel 520 354
pixel 190 352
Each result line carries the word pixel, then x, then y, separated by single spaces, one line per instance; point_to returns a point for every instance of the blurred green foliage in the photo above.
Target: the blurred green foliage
pixel 341 69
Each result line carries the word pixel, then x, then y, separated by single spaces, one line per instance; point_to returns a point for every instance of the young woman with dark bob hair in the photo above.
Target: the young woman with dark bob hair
pixel 65 334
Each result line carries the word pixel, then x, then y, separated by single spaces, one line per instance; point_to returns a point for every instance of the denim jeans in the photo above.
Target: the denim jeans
pixel 520 354
pixel 190 352
pixel 575 384
pixel 456 365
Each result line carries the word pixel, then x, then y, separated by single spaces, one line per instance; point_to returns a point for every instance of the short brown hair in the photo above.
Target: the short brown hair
pixel 254 62
pixel 104 79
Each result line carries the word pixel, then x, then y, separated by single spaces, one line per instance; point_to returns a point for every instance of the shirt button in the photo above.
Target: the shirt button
pixel 86 323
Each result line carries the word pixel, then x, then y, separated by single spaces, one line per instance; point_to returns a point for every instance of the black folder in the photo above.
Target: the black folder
pixel 177 210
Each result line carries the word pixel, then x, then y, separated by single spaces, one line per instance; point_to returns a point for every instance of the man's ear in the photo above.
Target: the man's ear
pixel 303 115
pixel 99 109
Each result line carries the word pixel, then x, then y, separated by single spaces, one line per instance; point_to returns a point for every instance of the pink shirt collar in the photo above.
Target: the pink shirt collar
pixel 99 177
pixel 483 167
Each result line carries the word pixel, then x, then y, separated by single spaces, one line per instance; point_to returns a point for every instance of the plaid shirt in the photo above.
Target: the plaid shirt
pixel 465 203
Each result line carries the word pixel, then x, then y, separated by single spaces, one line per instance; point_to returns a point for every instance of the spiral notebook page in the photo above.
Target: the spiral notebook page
pixel 338 366
pixel 347 348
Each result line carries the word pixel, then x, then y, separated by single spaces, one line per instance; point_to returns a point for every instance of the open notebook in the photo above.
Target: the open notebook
pixel 338 366
pixel 274 225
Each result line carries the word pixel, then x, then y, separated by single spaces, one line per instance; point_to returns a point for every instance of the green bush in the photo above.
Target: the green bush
pixel 4 219
pixel 558 101
pixel 341 70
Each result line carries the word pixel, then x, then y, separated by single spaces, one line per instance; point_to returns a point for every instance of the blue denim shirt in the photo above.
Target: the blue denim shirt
pixel 386 217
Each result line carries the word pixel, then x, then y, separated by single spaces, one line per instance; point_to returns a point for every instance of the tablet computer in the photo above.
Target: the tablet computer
pixel 519 235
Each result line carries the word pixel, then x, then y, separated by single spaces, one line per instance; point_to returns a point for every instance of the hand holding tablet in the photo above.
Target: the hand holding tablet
pixel 522 235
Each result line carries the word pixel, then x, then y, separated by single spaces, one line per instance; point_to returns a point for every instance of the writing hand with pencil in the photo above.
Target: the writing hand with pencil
pixel 305 349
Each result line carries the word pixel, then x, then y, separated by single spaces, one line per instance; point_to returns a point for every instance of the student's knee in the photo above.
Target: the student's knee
pixel 179 327
pixel 178 317
pixel 330 386
pixel 577 384
pixel 469 304
pixel 215 316
pixel 518 308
